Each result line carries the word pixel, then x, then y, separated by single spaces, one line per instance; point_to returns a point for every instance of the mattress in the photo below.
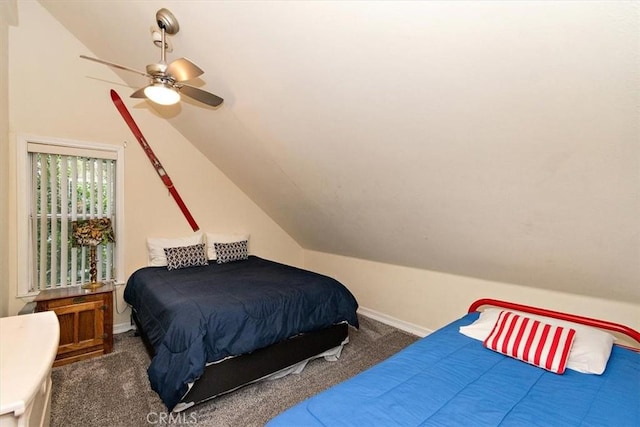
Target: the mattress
pixel 198 315
pixel 449 379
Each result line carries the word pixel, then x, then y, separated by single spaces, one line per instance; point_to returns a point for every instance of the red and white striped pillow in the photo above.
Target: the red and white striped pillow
pixel 531 341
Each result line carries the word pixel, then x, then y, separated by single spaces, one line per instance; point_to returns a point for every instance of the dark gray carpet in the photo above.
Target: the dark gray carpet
pixel 113 390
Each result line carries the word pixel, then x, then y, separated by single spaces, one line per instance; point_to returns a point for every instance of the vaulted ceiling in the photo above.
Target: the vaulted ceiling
pixel 498 140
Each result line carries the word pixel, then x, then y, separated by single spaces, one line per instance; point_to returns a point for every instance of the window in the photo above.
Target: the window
pixel 68 181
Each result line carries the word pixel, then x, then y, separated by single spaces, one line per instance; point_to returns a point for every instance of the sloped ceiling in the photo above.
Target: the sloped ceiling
pixel 498 140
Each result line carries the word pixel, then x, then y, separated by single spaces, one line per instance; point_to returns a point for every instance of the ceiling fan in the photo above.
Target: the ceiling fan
pixel 167 80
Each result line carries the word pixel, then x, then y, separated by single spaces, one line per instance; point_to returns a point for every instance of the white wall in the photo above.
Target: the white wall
pixel 430 300
pixel 497 140
pixel 52 93
pixel 8 16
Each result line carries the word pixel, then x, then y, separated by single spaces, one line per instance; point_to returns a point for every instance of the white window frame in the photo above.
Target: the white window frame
pixel 23 169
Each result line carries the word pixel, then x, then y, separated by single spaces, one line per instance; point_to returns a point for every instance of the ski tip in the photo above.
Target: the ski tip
pixel 115 96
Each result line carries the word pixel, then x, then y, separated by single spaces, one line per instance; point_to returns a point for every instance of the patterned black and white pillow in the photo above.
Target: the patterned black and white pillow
pixel 186 256
pixel 228 252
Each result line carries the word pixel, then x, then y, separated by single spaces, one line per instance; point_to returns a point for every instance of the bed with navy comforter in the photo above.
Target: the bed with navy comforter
pixel 449 379
pixel 199 315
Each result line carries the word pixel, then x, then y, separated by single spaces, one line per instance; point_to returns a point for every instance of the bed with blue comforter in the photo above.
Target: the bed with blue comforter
pixel 449 379
pixel 199 315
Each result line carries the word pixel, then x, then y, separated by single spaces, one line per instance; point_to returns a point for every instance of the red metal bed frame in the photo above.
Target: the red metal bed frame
pixel 601 324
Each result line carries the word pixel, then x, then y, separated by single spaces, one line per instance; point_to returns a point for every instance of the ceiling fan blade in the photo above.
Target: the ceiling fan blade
pixel 200 95
pixel 111 64
pixel 182 69
pixel 139 93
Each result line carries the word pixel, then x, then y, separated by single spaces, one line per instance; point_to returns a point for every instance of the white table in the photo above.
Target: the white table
pixel 28 346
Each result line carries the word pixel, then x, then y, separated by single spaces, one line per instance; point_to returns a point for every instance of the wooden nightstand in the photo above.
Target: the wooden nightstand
pixel 86 321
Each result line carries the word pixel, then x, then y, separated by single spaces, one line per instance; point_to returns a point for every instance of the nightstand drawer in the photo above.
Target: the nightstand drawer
pixel 81 299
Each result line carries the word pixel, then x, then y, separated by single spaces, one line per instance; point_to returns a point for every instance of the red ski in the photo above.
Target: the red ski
pixel 152 157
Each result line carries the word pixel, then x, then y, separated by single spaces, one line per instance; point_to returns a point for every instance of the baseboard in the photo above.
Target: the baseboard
pixel 122 327
pixel 396 323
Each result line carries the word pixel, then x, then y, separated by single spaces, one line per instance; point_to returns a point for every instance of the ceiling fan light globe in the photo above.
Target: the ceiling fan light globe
pixel 162 94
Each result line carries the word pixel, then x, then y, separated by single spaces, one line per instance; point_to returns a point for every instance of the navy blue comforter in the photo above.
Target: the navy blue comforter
pixel 197 315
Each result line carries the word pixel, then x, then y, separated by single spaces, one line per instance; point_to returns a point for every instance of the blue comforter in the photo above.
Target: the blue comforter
pixel 197 315
pixel 448 379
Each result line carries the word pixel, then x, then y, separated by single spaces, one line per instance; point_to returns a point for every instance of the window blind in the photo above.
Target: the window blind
pixel 65 188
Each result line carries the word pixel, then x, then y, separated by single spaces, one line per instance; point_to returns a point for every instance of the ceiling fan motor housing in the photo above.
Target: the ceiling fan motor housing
pixel 157 69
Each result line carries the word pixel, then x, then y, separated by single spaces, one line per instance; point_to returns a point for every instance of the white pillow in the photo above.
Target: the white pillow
pixel 155 246
pixel 222 238
pixel 591 347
